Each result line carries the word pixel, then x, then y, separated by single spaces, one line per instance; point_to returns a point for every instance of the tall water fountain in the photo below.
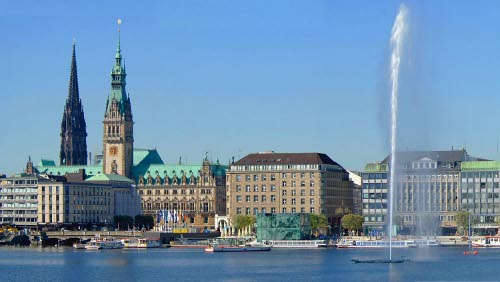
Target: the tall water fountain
pixel 397 36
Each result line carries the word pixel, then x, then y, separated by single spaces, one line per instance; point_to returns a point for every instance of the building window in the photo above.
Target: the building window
pixel 283 210
pixel 311 192
pixel 273 198
pixel 263 210
pixel 311 210
pixel 263 177
pixel 264 188
pixel 293 175
pixel 238 178
pixel 247 210
pixel 256 188
pixel 238 188
pixel 293 210
pixel 255 177
pixel 312 175
pixel 255 198
pixel 283 201
pixel 311 201
pixel 273 210
pixel 293 184
pixel 302 201
pixel 238 210
pixel 247 177
pixel 311 184
pixel 283 184
pixel 263 198
pixel 283 175
pixel 247 188
pixel 255 211
pixel 293 201
pixel 247 199
pixel 294 193
pixel 302 183
pixel 302 192
pixel 283 192
pixel 238 198
pixel 273 177
pixel 302 210
pixel 273 188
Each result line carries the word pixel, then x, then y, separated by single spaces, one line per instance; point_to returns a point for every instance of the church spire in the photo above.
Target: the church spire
pixel 73 126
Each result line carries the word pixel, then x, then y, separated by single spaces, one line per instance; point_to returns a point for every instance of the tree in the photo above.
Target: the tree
pixel 352 222
pixel 241 221
pixel 318 221
pixel 144 221
pixel 462 220
pixel 123 221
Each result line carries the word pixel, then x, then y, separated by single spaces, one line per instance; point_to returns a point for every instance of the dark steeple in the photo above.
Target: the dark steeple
pixel 73 127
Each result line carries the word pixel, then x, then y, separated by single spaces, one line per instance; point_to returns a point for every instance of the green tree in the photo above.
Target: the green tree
pixel 352 222
pixel 462 220
pixel 144 221
pixel 241 221
pixel 318 221
pixel 123 221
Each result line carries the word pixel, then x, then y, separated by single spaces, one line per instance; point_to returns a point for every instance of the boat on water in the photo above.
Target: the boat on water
pixel 100 244
pixel 427 243
pixel 190 243
pixel 240 248
pixel 141 243
pixel 79 246
pixel 487 242
pixel 345 244
pixel 296 244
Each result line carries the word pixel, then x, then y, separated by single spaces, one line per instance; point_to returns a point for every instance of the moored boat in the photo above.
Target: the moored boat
pixel 297 244
pixel 487 242
pixel 79 246
pixel 98 244
pixel 141 243
pixel 345 244
pixel 241 248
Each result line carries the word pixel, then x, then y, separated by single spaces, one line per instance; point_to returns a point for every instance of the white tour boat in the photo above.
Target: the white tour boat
pixel 296 244
pixel 241 248
pixel 344 244
pixel 487 242
pixel 141 243
pixel 98 244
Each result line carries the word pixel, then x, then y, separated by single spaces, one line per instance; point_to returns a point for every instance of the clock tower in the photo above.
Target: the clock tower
pixel 118 137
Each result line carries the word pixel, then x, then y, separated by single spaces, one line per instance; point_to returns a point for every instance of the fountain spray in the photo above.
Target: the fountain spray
pixel 397 35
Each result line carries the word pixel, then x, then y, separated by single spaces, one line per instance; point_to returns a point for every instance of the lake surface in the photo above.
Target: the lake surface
pixel 68 264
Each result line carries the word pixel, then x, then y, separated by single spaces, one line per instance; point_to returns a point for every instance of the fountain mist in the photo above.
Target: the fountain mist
pixel 397 36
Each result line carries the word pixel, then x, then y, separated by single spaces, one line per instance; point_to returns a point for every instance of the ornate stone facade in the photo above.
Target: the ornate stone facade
pixel 118 129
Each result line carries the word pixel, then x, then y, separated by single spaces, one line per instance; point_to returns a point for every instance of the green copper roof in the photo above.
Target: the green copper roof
pixel 62 170
pixel 376 167
pixel 146 157
pixel 118 82
pixel 46 163
pixel 109 177
pixel 480 165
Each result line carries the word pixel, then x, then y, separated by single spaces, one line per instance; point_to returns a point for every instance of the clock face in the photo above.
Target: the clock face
pixel 113 150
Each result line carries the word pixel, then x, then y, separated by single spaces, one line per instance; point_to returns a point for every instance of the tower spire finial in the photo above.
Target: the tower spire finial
pixel 119 25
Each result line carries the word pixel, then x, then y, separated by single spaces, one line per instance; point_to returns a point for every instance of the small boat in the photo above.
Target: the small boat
pixel 427 243
pixel 241 248
pixel 345 244
pixel 487 242
pixel 380 260
pixel 297 244
pixel 79 246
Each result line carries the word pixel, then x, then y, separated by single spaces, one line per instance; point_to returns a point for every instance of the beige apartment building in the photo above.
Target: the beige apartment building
pixel 271 182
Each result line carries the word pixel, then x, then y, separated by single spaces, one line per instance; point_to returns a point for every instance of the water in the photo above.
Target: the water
pixel 397 37
pixel 67 264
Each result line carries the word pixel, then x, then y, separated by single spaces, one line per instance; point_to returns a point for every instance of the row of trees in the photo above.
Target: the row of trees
pixel 123 222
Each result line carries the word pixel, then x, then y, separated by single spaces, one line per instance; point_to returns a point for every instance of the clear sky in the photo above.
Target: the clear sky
pixel 236 77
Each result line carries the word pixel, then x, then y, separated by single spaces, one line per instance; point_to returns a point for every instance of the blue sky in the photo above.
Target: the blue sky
pixel 236 77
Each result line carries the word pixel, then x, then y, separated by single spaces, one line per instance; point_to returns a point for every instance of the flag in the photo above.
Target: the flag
pixel 176 218
pixel 180 216
pixel 165 216
pixel 159 214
